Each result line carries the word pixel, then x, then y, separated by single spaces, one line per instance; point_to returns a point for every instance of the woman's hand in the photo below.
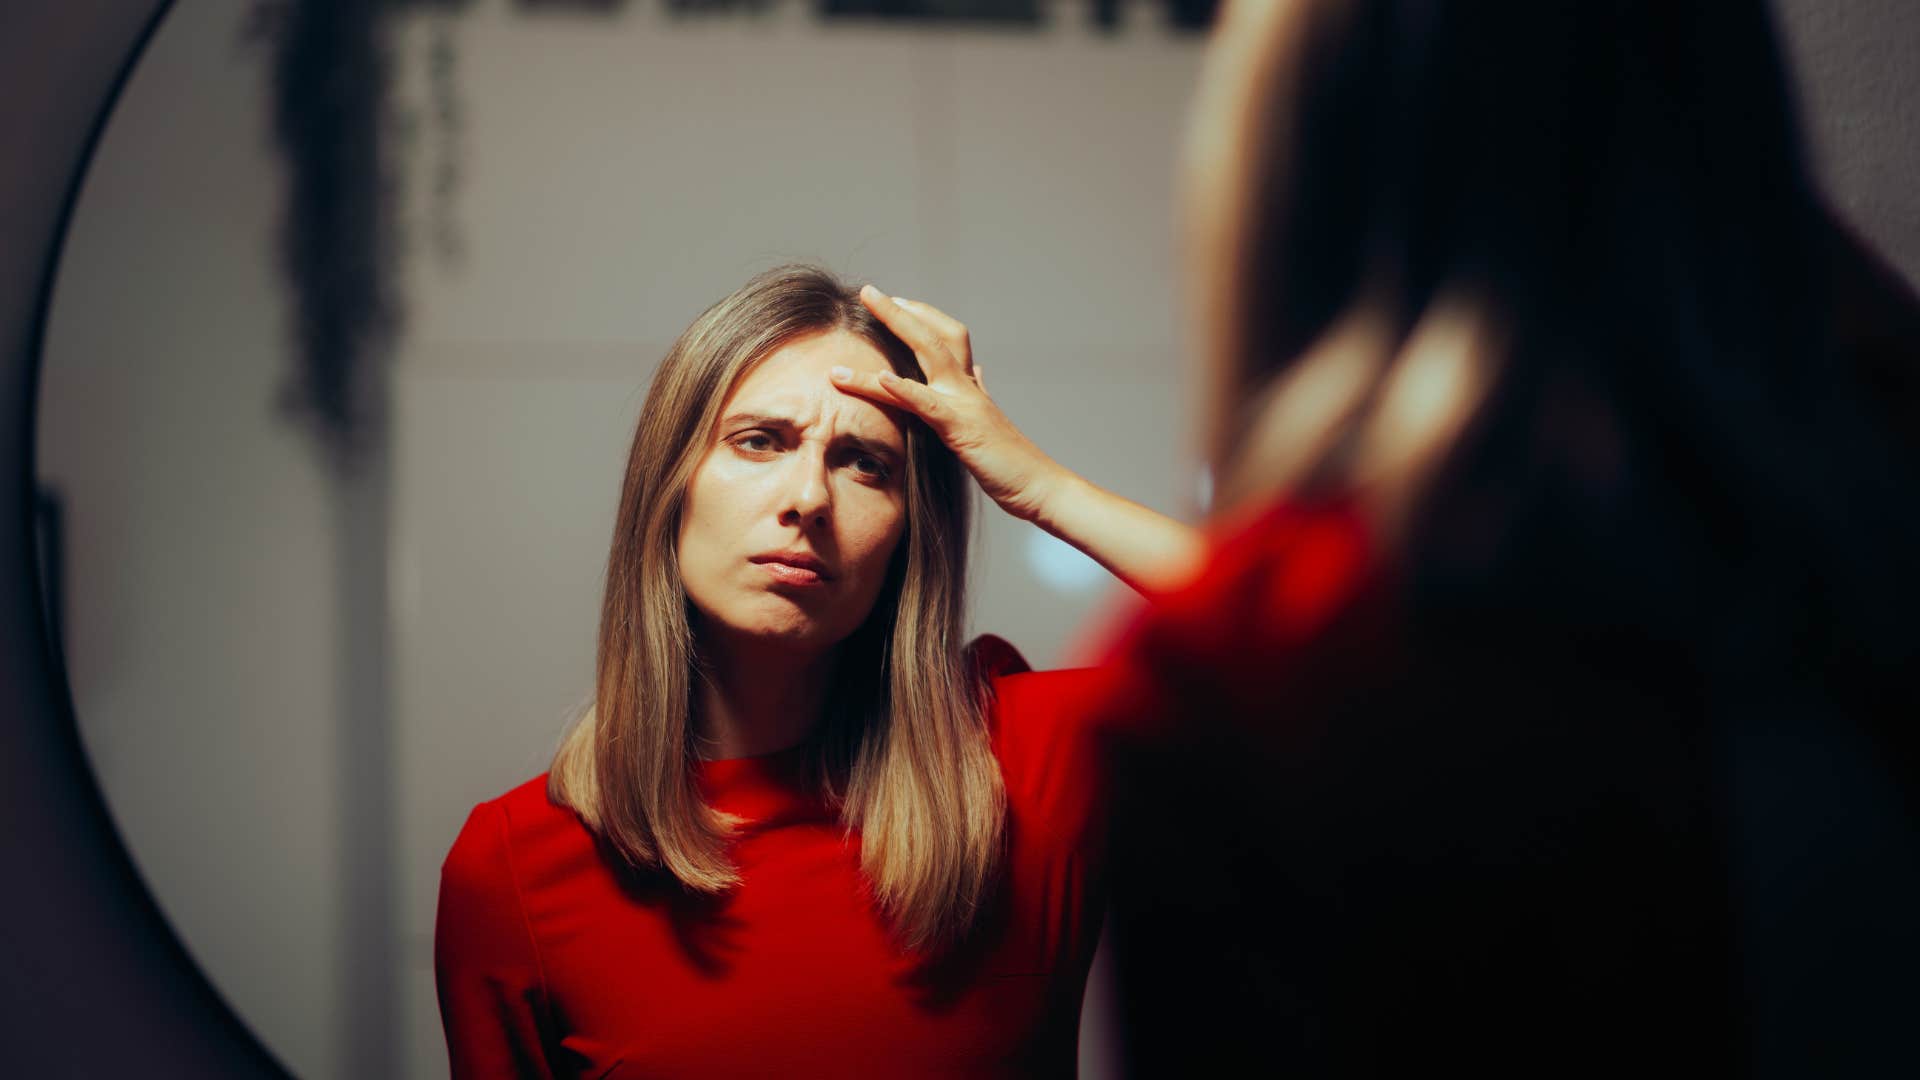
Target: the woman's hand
pixel 1144 548
pixel 954 403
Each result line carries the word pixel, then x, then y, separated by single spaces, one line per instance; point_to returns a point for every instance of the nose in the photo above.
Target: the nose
pixel 808 497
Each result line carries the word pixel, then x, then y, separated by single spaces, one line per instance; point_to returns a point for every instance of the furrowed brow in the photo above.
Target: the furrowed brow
pixel 870 446
pixel 758 420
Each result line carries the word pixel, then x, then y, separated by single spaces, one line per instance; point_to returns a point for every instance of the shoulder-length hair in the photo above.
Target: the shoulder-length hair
pixel 903 749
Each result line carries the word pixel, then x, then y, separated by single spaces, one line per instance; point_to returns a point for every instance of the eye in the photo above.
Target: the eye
pixel 867 467
pixel 755 442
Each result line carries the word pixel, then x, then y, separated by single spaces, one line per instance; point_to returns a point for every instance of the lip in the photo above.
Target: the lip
pixel 793 567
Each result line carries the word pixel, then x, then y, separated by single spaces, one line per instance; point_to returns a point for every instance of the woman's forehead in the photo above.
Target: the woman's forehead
pixel 817 353
pixel 792 383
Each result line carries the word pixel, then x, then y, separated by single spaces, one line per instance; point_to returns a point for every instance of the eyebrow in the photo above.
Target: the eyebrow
pixel 783 423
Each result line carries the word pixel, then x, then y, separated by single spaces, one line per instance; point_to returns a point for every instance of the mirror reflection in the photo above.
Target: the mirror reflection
pixel 299 659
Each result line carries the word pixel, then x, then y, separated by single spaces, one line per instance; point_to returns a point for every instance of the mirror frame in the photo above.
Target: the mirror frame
pixel 94 977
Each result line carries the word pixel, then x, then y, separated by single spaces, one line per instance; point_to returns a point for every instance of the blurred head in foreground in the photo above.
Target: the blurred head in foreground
pixel 1543 298
pixel 1546 286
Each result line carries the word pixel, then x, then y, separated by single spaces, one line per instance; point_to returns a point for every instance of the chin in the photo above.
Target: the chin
pixel 801 636
pixel 793 628
pixel 771 619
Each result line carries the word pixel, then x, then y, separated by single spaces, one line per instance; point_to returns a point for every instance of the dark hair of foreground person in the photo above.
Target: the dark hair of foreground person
pixel 1548 704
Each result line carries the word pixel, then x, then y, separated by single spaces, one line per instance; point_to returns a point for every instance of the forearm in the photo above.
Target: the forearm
pixel 1148 550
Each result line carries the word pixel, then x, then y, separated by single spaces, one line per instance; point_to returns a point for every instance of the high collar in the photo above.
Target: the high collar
pixel 765 789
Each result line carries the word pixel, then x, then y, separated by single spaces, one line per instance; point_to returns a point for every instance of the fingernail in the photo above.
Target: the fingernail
pixel 889 377
pixel 841 373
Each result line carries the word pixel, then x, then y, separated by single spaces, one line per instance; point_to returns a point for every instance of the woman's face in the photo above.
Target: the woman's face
pixel 794 512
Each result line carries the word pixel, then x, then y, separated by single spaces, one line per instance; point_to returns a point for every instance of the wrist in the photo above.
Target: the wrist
pixel 1053 490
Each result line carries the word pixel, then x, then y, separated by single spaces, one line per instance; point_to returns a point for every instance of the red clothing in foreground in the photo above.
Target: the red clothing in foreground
pixel 550 962
pixel 1366 830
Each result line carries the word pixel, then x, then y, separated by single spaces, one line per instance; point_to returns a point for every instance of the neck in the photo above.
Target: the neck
pixel 756 698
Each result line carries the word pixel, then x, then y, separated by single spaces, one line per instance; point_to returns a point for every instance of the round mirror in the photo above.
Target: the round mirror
pixel 298 660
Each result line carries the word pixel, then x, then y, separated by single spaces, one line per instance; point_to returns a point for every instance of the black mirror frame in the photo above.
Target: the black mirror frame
pixel 92 979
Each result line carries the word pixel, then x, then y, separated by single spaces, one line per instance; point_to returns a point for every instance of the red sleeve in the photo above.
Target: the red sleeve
pixel 990 656
pixel 1056 819
pixel 493 996
pixel 1040 735
pixel 1235 646
pixel 1047 753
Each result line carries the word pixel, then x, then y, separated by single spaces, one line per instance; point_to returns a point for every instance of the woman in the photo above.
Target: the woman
pixel 800 832
pixel 1547 705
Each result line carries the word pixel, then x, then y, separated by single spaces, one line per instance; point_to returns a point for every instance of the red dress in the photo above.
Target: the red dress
pixel 551 963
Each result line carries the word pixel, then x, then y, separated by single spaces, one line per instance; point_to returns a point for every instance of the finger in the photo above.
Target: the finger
pixel 886 388
pixel 935 358
pixel 865 384
pixel 951 330
pixel 919 399
pixel 980 377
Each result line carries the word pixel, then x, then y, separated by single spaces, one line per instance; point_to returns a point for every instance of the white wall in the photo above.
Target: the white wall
pixel 616 174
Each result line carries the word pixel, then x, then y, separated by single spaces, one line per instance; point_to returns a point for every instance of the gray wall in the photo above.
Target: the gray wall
pixel 610 177
pixel 1860 101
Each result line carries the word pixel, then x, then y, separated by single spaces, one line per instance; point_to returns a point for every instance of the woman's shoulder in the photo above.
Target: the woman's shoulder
pixel 1039 724
pixel 1037 719
pixel 526 803
pixel 529 801
pixel 518 824
pixel 1015 687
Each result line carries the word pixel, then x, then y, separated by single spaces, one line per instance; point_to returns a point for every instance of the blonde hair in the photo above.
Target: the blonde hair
pixel 902 749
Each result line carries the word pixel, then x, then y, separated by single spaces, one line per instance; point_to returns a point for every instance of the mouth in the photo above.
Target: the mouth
pixel 793 568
